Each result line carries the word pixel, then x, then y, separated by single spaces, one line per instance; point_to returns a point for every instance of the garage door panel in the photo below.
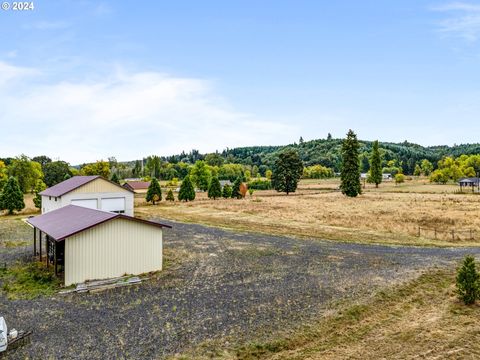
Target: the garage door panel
pixel 88 203
pixel 114 204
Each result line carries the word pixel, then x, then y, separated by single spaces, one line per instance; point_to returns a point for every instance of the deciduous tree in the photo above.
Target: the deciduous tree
pixel 287 171
pixel 39 187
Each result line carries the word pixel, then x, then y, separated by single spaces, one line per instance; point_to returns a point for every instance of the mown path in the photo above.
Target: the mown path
pixel 232 286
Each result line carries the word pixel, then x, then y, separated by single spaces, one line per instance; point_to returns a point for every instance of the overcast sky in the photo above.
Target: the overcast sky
pixel 85 80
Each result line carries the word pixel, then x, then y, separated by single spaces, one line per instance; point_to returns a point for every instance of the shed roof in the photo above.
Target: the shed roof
pixel 71 184
pixel 137 185
pixel 71 219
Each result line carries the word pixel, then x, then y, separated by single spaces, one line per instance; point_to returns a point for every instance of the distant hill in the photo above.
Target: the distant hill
pixel 327 153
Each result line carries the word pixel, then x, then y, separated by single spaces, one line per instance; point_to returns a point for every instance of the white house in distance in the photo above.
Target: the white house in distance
pixel 90 244
pixel 92 192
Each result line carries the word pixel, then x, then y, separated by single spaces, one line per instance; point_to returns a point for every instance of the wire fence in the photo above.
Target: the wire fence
pixel 447 234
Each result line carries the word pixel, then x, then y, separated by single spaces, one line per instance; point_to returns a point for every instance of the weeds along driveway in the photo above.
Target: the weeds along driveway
pixel 230 286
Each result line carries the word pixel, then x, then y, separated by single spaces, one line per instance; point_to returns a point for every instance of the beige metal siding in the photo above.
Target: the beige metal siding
pixel 113 249
pixel 99 186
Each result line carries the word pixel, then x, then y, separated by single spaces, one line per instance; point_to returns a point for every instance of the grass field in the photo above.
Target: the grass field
pixel 417 320
pixel 390 214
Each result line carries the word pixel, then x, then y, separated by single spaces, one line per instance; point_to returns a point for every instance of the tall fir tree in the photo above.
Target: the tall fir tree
pixel 287 171
pixel 236 188
pixel 375 176
pixel 39 187
pixel 11 198
pixel 215 189
pixel 154 192
pixel 227 191
pixel 115 179
pixel 350 175
pixel 468 281
pixel 187 191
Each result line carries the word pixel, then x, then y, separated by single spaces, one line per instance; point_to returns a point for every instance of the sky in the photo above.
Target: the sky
pixel 85 80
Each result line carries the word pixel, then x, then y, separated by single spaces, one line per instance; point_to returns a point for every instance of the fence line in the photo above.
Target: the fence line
pixel 453 234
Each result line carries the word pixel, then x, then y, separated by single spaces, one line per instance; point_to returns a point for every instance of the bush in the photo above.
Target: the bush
pixel 259 184
pixel 170 196
pixel 227 191
pixel 399 178
pixel 468 281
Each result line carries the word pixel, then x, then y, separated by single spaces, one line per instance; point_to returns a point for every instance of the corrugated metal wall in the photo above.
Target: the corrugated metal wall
pixel 113 249
pixel 98 186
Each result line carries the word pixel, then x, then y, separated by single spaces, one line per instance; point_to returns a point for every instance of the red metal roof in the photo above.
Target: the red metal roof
pixel 137 185
pixel 71 184
pixel 71 219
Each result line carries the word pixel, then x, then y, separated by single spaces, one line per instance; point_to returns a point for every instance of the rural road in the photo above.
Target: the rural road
pixel 234 286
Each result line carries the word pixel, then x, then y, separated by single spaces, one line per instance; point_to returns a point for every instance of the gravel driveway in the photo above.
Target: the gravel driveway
pixel 235 286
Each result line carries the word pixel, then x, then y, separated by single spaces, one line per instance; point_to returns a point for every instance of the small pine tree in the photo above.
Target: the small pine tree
pixel 236 188
pixel 350 175
pixel 39 187
pixel 468 281
pixel 170 196
pixel 227 191
pixel 12 196
pixel 154 192
pixel 115 179
pixel 215 189
pixel 187 192
pixel 376 176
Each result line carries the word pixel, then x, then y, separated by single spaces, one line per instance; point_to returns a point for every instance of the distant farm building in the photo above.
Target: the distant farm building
pixel 472 182
pixel 138 187
pixel 92 192
pixel 387 176
pixel 225 182
pixel 87 244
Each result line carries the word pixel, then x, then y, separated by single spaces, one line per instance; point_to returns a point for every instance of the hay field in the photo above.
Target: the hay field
pixel 390 214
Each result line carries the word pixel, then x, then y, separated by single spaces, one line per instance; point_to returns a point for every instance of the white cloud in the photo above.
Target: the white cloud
pixel 463 20
pixel 127 115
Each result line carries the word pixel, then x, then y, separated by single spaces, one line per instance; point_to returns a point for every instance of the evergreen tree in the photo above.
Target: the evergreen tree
pixel 12 196
pixel 375 165
pixel 39 187
pixel 236 188
pixel 215 189
pixel 227 191
pixel 187 192
pixel 350 175
pixel 115 179
pixel 154 192
pixel 468 281
pixel 287 170
pixel 170 196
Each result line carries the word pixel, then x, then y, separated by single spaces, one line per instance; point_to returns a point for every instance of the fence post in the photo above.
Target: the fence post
pixel 453 234
pixel 435 232
pixel 418 231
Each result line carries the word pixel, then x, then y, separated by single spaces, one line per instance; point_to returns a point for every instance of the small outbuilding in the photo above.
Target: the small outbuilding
pixel 92 192
pixel 472 182
pixel 138 187
pixel 87 244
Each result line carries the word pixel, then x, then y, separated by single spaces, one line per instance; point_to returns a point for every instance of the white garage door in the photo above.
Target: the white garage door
pixel 114 204
pixel 88 203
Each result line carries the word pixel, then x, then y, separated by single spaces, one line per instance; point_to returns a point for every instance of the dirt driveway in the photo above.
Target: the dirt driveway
pixel 229 286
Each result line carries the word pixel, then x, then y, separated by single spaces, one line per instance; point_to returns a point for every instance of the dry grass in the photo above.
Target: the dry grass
pixel 420 319
pixel 390 214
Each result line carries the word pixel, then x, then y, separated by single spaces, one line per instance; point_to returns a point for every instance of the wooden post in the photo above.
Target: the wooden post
pixel 34 241
pixel 40 247
pixel 418 231
pixel 55 258
pixel 47 245
pixel 435 232
pixel 453 234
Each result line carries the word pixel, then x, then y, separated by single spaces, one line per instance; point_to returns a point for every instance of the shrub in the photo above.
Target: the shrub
pixel 468 281
pixel 399 178
pixel 227 191
pixel 170 196
pixel 259 184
